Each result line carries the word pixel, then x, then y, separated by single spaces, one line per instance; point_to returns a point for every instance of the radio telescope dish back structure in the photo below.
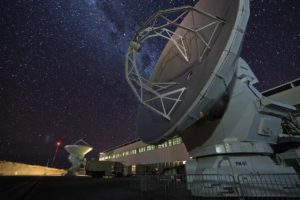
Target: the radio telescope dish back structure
pixel 194 68
pixel 203 91
pixel 77 152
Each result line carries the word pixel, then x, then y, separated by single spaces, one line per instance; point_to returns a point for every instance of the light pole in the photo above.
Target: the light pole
pixel 58 143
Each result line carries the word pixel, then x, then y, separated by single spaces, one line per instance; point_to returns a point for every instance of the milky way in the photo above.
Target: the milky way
pixel 62 69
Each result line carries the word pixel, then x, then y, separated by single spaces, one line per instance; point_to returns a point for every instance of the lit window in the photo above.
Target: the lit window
pixel 150 147
pixel 133 169
pixel 142 149
pixel 163 145
pixel 133 151
pixel 176 141
pixel 170 142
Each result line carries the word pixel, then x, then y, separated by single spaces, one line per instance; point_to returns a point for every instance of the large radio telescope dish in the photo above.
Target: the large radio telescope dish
pixel 194 68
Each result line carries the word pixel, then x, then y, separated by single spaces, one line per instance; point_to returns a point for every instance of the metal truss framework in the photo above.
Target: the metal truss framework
pixel 159 25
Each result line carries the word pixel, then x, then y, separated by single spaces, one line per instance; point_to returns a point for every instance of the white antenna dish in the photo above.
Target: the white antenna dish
pixel 79 148
pixel 77 152
pixel 203 91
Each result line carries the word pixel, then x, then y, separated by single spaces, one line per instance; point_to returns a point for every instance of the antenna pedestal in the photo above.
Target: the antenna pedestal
pixel 242 141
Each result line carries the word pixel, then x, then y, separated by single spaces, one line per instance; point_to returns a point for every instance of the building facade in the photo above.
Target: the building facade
pixel 135 154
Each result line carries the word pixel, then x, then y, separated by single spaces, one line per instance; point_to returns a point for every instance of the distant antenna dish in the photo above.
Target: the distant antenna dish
pixel 79 148
pixel 77 152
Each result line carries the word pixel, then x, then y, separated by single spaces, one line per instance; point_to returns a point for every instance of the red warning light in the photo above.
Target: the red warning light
pixel 58 143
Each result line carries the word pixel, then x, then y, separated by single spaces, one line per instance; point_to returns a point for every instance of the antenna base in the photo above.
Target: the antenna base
pixel 240 175
pixel 240 142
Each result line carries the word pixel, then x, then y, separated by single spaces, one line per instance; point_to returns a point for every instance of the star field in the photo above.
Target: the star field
pixel 62 69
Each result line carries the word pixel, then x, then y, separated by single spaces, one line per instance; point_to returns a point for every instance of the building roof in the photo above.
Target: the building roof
pixel 122 145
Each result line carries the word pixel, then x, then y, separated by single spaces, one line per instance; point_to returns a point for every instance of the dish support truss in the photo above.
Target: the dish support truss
pixel 81 141
pixel 159 25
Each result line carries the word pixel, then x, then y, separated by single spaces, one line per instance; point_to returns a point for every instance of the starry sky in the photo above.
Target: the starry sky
pixel 62 69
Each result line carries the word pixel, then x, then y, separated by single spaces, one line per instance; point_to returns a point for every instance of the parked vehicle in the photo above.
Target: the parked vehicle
pixel 100 169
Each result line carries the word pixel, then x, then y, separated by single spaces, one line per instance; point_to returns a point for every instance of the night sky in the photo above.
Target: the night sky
pixel 62 69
